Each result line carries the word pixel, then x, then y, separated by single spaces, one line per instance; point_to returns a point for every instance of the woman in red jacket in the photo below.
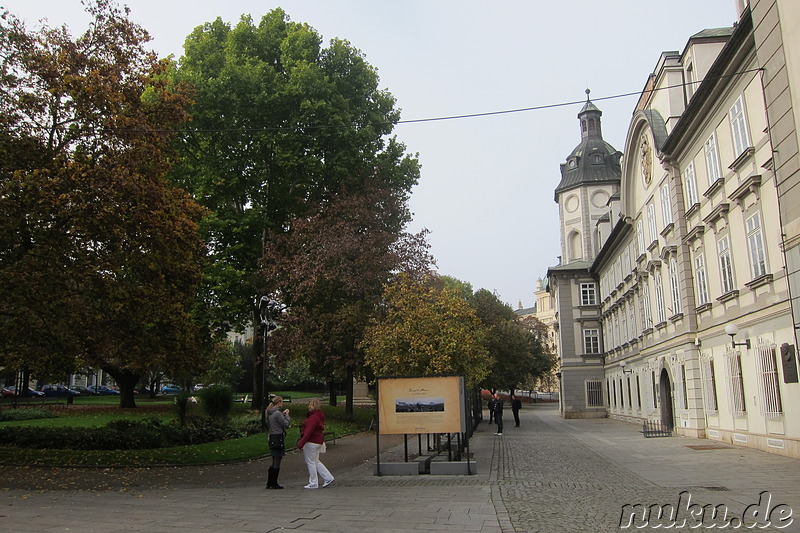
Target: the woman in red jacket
pixel 311 440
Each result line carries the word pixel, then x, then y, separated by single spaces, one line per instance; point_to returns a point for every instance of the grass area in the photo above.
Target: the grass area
pixel 215 452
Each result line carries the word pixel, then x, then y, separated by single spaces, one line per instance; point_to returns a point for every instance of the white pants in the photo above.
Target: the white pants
pixel 311 454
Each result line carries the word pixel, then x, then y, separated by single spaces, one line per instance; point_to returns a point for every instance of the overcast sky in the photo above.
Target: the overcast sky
pixel 487 184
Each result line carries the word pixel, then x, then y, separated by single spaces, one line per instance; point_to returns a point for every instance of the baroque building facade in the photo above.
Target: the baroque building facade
pixel 695 249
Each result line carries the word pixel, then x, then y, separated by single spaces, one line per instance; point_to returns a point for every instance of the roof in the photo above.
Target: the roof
pixel 593 161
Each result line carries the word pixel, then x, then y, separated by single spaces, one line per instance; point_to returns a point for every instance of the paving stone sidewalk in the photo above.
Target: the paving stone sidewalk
pixel 548 475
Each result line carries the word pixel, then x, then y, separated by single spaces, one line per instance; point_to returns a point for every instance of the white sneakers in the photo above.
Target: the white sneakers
pixel 326 484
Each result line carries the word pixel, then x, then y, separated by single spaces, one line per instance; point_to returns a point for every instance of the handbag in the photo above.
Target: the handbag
pixel 276 441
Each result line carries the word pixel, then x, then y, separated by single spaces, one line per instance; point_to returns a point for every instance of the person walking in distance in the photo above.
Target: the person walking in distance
pixel 312 442
pixel 278 424
pixel 516 405
pixel 490 405
pixel 498 413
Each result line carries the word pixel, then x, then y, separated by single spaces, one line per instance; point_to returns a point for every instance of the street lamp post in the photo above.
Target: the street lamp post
pixel 267 307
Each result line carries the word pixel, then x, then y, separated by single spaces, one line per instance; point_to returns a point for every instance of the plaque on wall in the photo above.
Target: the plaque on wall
pixel 789 361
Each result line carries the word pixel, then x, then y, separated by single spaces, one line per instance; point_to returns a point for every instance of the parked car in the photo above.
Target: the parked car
pixel 83 391
pixel 102 390
pixel 33 393
pixel 57 391
pixel 170 389
pixel 5 391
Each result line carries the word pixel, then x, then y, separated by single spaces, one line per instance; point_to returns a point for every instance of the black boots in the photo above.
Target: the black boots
pixel 272 480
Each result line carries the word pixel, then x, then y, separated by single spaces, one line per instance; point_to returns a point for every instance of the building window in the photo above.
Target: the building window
pixel 654 389
pixel 614 392
pixel 646 312
pixel 712 159
pixel 768 382
pixel 638 393
pixel 741 139
pixel 725 265
pixel 588 294
pixel 690 184
pixel 626 256
pixel 675 286
pixel 700 279
pixel 666 209
pixel 628 383
pixel 632 314
pixel 640 237
pixel 733 363
pixel 624 317
pixel 591 341
pixel 709 385
pixel 691 80
pixel 755 242
pixel 651 221
pixel 660 312
pixel 685 393
pixel 594 393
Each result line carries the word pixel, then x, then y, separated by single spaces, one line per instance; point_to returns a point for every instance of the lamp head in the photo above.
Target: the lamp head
pixel 732 329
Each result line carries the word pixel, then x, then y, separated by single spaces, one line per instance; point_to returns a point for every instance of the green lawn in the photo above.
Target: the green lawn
pixel 215 452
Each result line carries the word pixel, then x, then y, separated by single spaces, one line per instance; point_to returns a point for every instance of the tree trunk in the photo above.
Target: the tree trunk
pixel 348 402
pixel 332 391
pixel 126 380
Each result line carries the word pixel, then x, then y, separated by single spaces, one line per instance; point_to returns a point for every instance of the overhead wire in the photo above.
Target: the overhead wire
pixel 432 119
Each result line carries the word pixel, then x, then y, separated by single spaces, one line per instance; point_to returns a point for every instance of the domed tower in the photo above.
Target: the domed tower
pixel 589 177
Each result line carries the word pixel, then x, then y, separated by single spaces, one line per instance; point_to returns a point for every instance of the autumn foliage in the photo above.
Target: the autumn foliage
pixel 99 255
pixel 425 330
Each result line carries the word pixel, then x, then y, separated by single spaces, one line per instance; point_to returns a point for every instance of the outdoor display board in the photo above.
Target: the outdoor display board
pixel 421 405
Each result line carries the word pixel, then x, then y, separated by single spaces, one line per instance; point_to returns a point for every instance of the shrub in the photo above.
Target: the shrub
pixel 25 414
pixel 146 433
pixel 216 400
pixel 182 400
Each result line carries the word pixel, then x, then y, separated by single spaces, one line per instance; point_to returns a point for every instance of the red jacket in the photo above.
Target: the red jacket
pixel 313 428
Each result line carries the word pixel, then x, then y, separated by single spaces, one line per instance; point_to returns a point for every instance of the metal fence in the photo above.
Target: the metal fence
pixel 654 428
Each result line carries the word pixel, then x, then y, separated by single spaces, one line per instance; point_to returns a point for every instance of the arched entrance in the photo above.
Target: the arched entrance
pixel 665 399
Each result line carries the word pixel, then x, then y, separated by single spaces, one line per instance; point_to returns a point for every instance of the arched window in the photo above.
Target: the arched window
pixel 575 246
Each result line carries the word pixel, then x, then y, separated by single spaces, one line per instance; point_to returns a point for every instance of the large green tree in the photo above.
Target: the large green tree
pixel 517 349
pixel 279 125
pixel 99 255
pixel 329 268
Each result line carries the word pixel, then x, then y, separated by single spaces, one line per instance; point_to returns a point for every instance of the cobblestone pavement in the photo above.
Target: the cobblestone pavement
pixel 549 475
pixel 576 475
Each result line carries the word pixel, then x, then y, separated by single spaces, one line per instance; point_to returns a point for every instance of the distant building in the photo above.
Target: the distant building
pixel 674 298
pixel 544 311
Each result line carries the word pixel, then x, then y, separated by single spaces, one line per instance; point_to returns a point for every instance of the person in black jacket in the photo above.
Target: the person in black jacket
pixel 490 405
pixel 516 405
pixel 498 413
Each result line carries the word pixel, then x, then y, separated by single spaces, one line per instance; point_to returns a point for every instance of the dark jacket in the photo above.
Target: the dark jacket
pixel 498 408
pixel 516 405
pixel 312 428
